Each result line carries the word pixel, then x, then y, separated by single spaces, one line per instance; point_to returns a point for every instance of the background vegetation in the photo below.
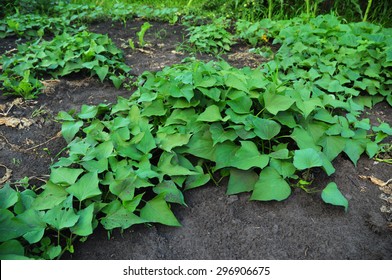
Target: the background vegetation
pixel 380 11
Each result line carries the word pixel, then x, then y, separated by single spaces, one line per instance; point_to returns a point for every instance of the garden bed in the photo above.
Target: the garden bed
pixel 214 225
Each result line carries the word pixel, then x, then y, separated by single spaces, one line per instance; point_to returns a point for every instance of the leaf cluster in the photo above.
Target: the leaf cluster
pixel 125 11
pixel 65 54
pixel 32 26
pixel 345 60
pixel 211 38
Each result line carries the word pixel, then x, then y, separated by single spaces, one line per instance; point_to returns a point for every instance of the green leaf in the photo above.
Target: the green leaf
pixel 10 227
pixel 85 187
pixel 26 199
pixel 332 195
pixel 117 82
pixel 62 215
pixel 53 252
pixel 168 141
pixel 103 150
pixel 270 186
pixel 64 116
pixel 384 127
pixel 64 175
pixel 371 149
pixel 307 158
pixel 88 112
pixel 157 211
pixel 266 129
pixel 121 218
pixel 219 135
pixel 147 142
pixel 34 220
pixel 102 71
pixel 224 154
pixel 241 181
pixel 8 197
pixel 84 226
pixel 236 82
pixel 194 181
pixel 51 196
pixel 213 93
pixel 333 146
pixel 241 105
pixel 134 203
pixel 96 166
pixel 169 165
pixel 170 191
pixel 90 64
pixel 211 114
pixel 12 250
pixel 303 139
pixel 69 129
pixel 354 150
pixel 248 156
pixel 327 165
pixel 280 154
pixel 275 103
pixel 156 108
pixel 284 168
pixel 124 189
pixel 201 145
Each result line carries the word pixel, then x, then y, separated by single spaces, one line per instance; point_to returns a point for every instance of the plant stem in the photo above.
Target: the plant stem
pixel 307 8
pixel 189 3
pixel 270 6
pixel 367 10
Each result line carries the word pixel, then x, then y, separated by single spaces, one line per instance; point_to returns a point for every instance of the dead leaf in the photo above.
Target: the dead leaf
pixel 6 108
pixel 7 175
pixel 374 180
pixel 15 122
pixel 49 86
pixel 385 209
pixel 385 187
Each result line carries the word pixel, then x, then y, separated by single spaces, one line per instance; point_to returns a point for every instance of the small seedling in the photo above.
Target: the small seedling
pixel 142 32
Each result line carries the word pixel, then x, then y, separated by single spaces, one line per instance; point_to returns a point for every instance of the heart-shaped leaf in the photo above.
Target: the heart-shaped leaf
pixel 270 186
pixel 332 195
pixel 307 158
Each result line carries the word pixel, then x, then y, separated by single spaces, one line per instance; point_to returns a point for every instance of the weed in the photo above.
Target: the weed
pixel 16 161
pixel 142 32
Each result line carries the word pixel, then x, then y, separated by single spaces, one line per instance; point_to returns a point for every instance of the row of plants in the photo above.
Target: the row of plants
pixel 92 53
pixel 71 18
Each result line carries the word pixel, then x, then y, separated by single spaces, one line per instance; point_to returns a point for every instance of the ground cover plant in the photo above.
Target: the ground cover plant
pixel 65 54
pixel 211 38
pixel 264 130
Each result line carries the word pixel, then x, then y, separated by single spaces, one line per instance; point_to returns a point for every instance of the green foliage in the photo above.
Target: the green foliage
pixel 211 38
pixel 142 32
pixel 124 12
pixel 332 195
pixel 187 124
pixel 93 53
pixel 31 26
pixel 37 6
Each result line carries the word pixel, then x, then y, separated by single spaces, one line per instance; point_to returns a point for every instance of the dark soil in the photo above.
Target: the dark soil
pixel 214 225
